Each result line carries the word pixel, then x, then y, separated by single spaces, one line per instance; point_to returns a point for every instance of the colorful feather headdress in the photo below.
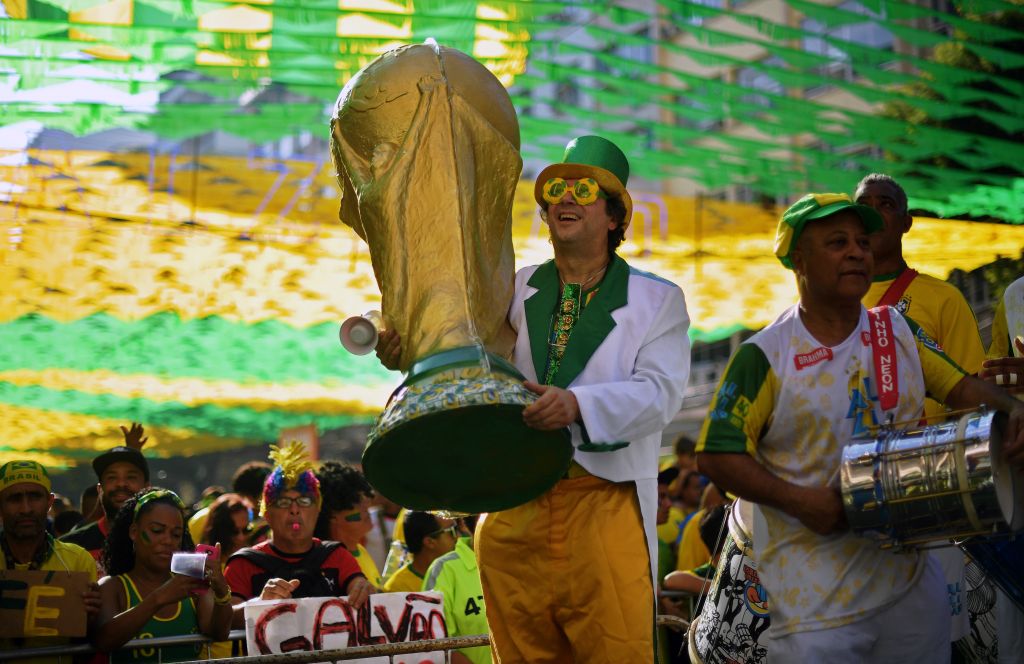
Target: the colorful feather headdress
pixel 293 471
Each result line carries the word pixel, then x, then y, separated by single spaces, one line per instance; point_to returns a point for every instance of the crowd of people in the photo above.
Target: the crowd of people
pixel 578 573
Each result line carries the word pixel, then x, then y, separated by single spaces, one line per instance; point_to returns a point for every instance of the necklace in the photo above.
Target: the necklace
pixel 39 556
pixel 590 277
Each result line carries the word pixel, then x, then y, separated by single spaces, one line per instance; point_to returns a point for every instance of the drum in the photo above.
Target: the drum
pixel 980 646
pixel 1002 558
pixel 941 482
pixel 735 613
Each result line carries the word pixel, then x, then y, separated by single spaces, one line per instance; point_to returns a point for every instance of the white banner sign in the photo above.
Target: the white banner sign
pixel 328 623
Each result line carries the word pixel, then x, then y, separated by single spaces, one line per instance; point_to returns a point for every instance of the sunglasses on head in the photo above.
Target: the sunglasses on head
pixel 584 192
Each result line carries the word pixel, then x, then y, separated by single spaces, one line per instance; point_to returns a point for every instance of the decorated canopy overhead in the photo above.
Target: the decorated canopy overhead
pixel 778 96
pixel 117 305
pixel 195 279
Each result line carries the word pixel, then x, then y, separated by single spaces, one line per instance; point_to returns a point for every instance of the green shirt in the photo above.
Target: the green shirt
pixel 456 576
pixel 184 621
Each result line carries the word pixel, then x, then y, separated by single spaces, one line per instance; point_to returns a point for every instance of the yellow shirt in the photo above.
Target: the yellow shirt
pixel 668 532
pixel 366 564
pixel 399 532
pixel 405 580
pixel 941 310
pixel 197 523
pixel 692 552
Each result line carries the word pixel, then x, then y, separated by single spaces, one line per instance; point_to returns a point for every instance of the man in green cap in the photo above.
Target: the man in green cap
pixel 792 397
pixel 570 575
pixel 25 498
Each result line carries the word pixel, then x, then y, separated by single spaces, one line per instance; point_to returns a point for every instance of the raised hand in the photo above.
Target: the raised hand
pixel 133 437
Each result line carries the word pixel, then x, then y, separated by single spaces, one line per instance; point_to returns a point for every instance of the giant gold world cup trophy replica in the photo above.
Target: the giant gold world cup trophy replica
pixel 426 144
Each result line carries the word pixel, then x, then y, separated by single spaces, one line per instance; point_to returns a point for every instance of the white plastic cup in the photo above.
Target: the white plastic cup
pixel 189 564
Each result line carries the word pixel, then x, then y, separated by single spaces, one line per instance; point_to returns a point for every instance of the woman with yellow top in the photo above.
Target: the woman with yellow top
pixel 142 598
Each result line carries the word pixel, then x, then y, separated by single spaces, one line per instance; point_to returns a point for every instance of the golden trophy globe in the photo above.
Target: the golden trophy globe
pixel 425 141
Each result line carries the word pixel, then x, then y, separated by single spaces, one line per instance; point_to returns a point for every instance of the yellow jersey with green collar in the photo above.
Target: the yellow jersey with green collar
pixel 793 404
pixel 405 580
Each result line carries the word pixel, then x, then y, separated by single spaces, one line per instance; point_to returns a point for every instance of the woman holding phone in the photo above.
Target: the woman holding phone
pixel 142 598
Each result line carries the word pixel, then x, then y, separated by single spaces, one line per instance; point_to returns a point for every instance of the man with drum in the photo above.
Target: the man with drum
pixel 569 576
pixel 791 398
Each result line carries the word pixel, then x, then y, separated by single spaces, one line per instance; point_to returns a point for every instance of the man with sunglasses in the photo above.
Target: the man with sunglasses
pixel 570 576
pixel 293 563
pixel 427 537
pixel 605 348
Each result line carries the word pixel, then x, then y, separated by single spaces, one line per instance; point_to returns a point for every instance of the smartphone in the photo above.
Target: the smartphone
pixel 210 551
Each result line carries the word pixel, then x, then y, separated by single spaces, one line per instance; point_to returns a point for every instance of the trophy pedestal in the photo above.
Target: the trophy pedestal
pixel 452 438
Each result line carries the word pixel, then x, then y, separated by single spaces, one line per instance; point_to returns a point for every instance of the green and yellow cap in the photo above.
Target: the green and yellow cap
pixel 591 157
pixel 17 472
pixel 817 206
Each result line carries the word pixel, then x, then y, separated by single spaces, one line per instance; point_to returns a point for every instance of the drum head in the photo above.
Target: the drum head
pixel 741 525
pixel 1008 480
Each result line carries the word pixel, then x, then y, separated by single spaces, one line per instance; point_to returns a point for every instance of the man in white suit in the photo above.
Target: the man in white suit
pixel 569 576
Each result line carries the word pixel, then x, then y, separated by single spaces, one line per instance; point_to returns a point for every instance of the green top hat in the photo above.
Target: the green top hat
pixel 817 206
pixel 591 157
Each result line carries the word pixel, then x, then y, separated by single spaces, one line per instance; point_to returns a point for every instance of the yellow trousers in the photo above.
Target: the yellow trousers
pixel 567 577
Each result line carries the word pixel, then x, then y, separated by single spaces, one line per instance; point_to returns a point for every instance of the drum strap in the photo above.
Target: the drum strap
pixel 896 289
pixel 883 351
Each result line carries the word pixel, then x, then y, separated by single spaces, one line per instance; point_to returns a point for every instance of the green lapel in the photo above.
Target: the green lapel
pixel 595 322
pixel 539 308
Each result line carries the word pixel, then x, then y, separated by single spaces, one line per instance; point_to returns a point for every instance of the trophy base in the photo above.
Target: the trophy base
pixel 452 438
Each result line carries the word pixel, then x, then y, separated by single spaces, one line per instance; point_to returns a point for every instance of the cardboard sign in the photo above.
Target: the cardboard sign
pixel 42 603
pixel 328 623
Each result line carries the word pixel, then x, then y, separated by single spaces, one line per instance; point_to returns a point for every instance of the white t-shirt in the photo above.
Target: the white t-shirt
pixel 794 404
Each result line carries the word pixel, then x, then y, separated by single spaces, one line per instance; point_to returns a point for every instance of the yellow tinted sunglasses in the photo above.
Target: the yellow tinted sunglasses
pixel 584 192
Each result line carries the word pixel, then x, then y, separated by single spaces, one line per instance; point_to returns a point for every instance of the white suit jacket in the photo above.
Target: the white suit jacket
pixel 627 362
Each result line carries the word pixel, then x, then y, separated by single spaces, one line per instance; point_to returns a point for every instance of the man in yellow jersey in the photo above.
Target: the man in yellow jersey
pixel 427 537
pixel 345 513
pixel 937 306
pixel 791 398
pixel 943 313
pixel 24 500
